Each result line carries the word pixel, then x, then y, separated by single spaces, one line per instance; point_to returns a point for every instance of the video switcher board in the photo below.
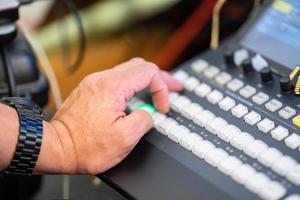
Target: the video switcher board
pixel 236 125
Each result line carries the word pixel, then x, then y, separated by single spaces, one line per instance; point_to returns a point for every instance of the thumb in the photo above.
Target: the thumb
pixel 136 124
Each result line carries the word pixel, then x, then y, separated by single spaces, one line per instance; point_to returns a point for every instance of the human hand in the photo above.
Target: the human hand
pixel 94 131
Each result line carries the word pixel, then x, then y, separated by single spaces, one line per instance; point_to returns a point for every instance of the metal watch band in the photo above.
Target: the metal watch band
pixel 30 136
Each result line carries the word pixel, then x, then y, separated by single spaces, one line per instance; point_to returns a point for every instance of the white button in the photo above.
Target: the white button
pixel 158 117
pixel 272 191
pixel 223 78
pixel 190 110
pixel 215 156
pixel 239 56
pixel 287 112
pixel 293 197
pixel 215 124
pixel 180 103
pixel 227 103
pixel 199 65
pixel 252 118
pixel 235 85
pixel 260 98
pixel 239 111
pixel 203 148
pixel 228 132
pixel 257 181
pixel 191 83
pixel 177 132
pixel 214 97
pixel 211 72
pixel 279 133
pixel 247 91
pixel 243 173
pixel 254 148
pixel 240 141
pixel 265 125
pixel 203 117
pixel 164 125
pixel 273 105
pixel 294 175
pixel 259 62
pixel 189 141
pixel 269 156
pixel 173 96
pixel 180 76
pixel 284 165
pixel 229 165
pixel 293 141
pixel 202 90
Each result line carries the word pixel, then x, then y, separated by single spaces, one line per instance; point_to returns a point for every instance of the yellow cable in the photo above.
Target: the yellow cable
pixel 215 30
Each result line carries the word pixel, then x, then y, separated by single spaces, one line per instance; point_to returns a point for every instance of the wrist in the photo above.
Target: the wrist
pixel 10 139
pixel 54 157
pixel 61 147
pixel 51 153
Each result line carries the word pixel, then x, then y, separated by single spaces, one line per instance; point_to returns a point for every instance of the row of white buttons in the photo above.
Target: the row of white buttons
pixel 279 133
pixel 247 91
pixel 229 165
pixel 261 98
pixel 256 149
pixel 293 197
pixel 244 174
pixel 265 125
pixel 200 66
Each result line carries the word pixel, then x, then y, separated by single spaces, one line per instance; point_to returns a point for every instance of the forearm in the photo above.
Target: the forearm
pixel 51 155
pixel 9 132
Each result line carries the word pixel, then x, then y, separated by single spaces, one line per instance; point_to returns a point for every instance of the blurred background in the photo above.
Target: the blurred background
pixel 76 37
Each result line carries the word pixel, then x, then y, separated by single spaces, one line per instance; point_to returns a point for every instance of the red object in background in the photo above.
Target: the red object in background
pixel 179 41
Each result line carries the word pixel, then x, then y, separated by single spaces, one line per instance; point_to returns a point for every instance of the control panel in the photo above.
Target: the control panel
pixel 240 110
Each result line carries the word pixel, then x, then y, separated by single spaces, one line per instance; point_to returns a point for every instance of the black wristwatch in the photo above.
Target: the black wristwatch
pixel 30 136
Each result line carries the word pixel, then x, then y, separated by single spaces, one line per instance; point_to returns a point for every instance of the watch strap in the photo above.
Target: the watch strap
pixel 30 136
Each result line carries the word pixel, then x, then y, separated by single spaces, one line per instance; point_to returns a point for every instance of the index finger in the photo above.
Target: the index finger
pixel 147 75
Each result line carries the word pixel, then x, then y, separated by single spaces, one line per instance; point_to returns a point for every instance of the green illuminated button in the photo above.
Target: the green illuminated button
pixel 147 107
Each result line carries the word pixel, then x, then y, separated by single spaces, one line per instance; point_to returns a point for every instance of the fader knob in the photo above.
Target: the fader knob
pixel 285 84
pixel 229 58
pixel 247 66
pixel 266 74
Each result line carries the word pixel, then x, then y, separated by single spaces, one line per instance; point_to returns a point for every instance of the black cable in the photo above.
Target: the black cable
pixel 12 90
pixel 82 38
pixel 70 68
pixel 64 39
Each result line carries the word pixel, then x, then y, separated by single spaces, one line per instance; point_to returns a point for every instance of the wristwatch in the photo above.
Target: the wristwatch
pixel 30 136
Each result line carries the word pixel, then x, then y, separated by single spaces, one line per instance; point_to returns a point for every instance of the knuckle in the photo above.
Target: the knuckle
pixel 138 60
pixel 164 87
pixel 153 66
pixel 104 81
pixel 92 79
